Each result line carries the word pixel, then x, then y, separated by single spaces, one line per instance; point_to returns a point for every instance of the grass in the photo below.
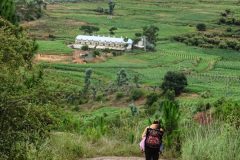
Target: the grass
pixel 53 47
pixel 215 142
pixel 209 70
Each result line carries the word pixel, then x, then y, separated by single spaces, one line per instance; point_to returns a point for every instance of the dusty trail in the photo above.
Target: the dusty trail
pixel 117 158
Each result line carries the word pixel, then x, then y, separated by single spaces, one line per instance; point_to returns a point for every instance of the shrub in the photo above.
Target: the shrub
pixel 96 53
pixel 174 81
pixel 151 98
pixel 119 95
pixel 85 48
pixel 223 45
pixel 170 118
pixel 229 111
pixel 136 94
pixel 99 10
pixel 201 27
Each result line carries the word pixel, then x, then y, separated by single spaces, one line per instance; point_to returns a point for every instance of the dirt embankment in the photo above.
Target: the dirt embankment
pixel 52 58
pixel 80 57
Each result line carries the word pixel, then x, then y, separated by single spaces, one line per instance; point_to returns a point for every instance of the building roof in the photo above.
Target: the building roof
pixel 103 39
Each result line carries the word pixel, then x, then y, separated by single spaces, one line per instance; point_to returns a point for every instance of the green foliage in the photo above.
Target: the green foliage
pixel 87 81
pixel 133 109
pixel 152 98
pixel 24 123
pixel 228 111
pixel 12 52
pixel 111 6
pixel 213 142
pixel 229 18
pixel 136 94
pixel 210 40
pixel 171 118
pixel 21 126
pixel 119 95
pixel 174 81
pixel 136 80
pixel 96 53
pixel 85 48
pixel 112 30
pixel 28 10
pixel 151 33
pixel 8 10
pixel 201 27
pixel 89 29
pixel 122 78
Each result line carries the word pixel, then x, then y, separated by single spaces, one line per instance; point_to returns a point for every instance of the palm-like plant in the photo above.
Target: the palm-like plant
pixel 170 118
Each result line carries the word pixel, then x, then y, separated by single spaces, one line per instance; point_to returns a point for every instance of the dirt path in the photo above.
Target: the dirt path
pixel 117 158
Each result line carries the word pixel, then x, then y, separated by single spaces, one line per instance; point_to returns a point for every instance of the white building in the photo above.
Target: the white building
pixel 101 42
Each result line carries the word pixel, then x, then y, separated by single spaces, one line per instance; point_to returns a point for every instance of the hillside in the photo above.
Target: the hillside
pixel 61 103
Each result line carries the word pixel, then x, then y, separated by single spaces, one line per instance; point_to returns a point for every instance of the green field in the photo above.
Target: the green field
pixel 172 18
pixel 215 71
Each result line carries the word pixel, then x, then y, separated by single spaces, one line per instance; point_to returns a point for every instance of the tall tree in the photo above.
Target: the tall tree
pixel 87 81
pixel 112 30
pixel 89 29
pixel 111 5
pixel 151 34
pixel 175 81
pixel 22 123
pixel 8 10
pixel 122 78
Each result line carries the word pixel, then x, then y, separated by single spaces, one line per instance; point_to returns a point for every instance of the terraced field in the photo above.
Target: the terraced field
pixel 214 70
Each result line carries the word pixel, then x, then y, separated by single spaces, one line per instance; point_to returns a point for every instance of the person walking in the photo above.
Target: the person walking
pixel 153 140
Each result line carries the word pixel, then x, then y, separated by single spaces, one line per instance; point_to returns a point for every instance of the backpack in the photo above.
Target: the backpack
pixel 153 138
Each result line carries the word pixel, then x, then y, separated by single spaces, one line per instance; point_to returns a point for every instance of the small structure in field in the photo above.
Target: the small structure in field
pixel 102 42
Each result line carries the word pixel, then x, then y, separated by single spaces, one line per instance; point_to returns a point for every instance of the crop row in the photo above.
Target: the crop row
pixel 214 77
pixel 228 65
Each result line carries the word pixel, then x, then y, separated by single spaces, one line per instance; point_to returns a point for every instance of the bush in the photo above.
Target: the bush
pixel 96 53
pixel 171 117
pixel 136 94
pixel 119 95
pixel 228 111
pixel 229 29
pixel 174 81
pixel 223 45
pixel 201 27
pixel 85 48
pixel 151 98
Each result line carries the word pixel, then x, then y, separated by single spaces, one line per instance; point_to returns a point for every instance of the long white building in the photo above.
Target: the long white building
pixel 101 42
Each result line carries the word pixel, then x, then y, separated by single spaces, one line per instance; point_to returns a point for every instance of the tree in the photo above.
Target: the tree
pixel 174 81
pixel 151 33
pixel 111 30
pixel 136 80
pixel 89 29
pixel 111 5
pixel 201 27
pixel 87 81
pixel 15 48
pixel 122 78
pixel 8 10
pixel 23 123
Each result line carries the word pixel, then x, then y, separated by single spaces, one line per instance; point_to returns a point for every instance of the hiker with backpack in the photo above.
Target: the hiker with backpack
pixel 151 142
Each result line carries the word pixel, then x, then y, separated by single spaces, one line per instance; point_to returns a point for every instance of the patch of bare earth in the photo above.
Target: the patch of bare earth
pixel 203 118
pixel 52 58
pixel 190 95
pixel 117 158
